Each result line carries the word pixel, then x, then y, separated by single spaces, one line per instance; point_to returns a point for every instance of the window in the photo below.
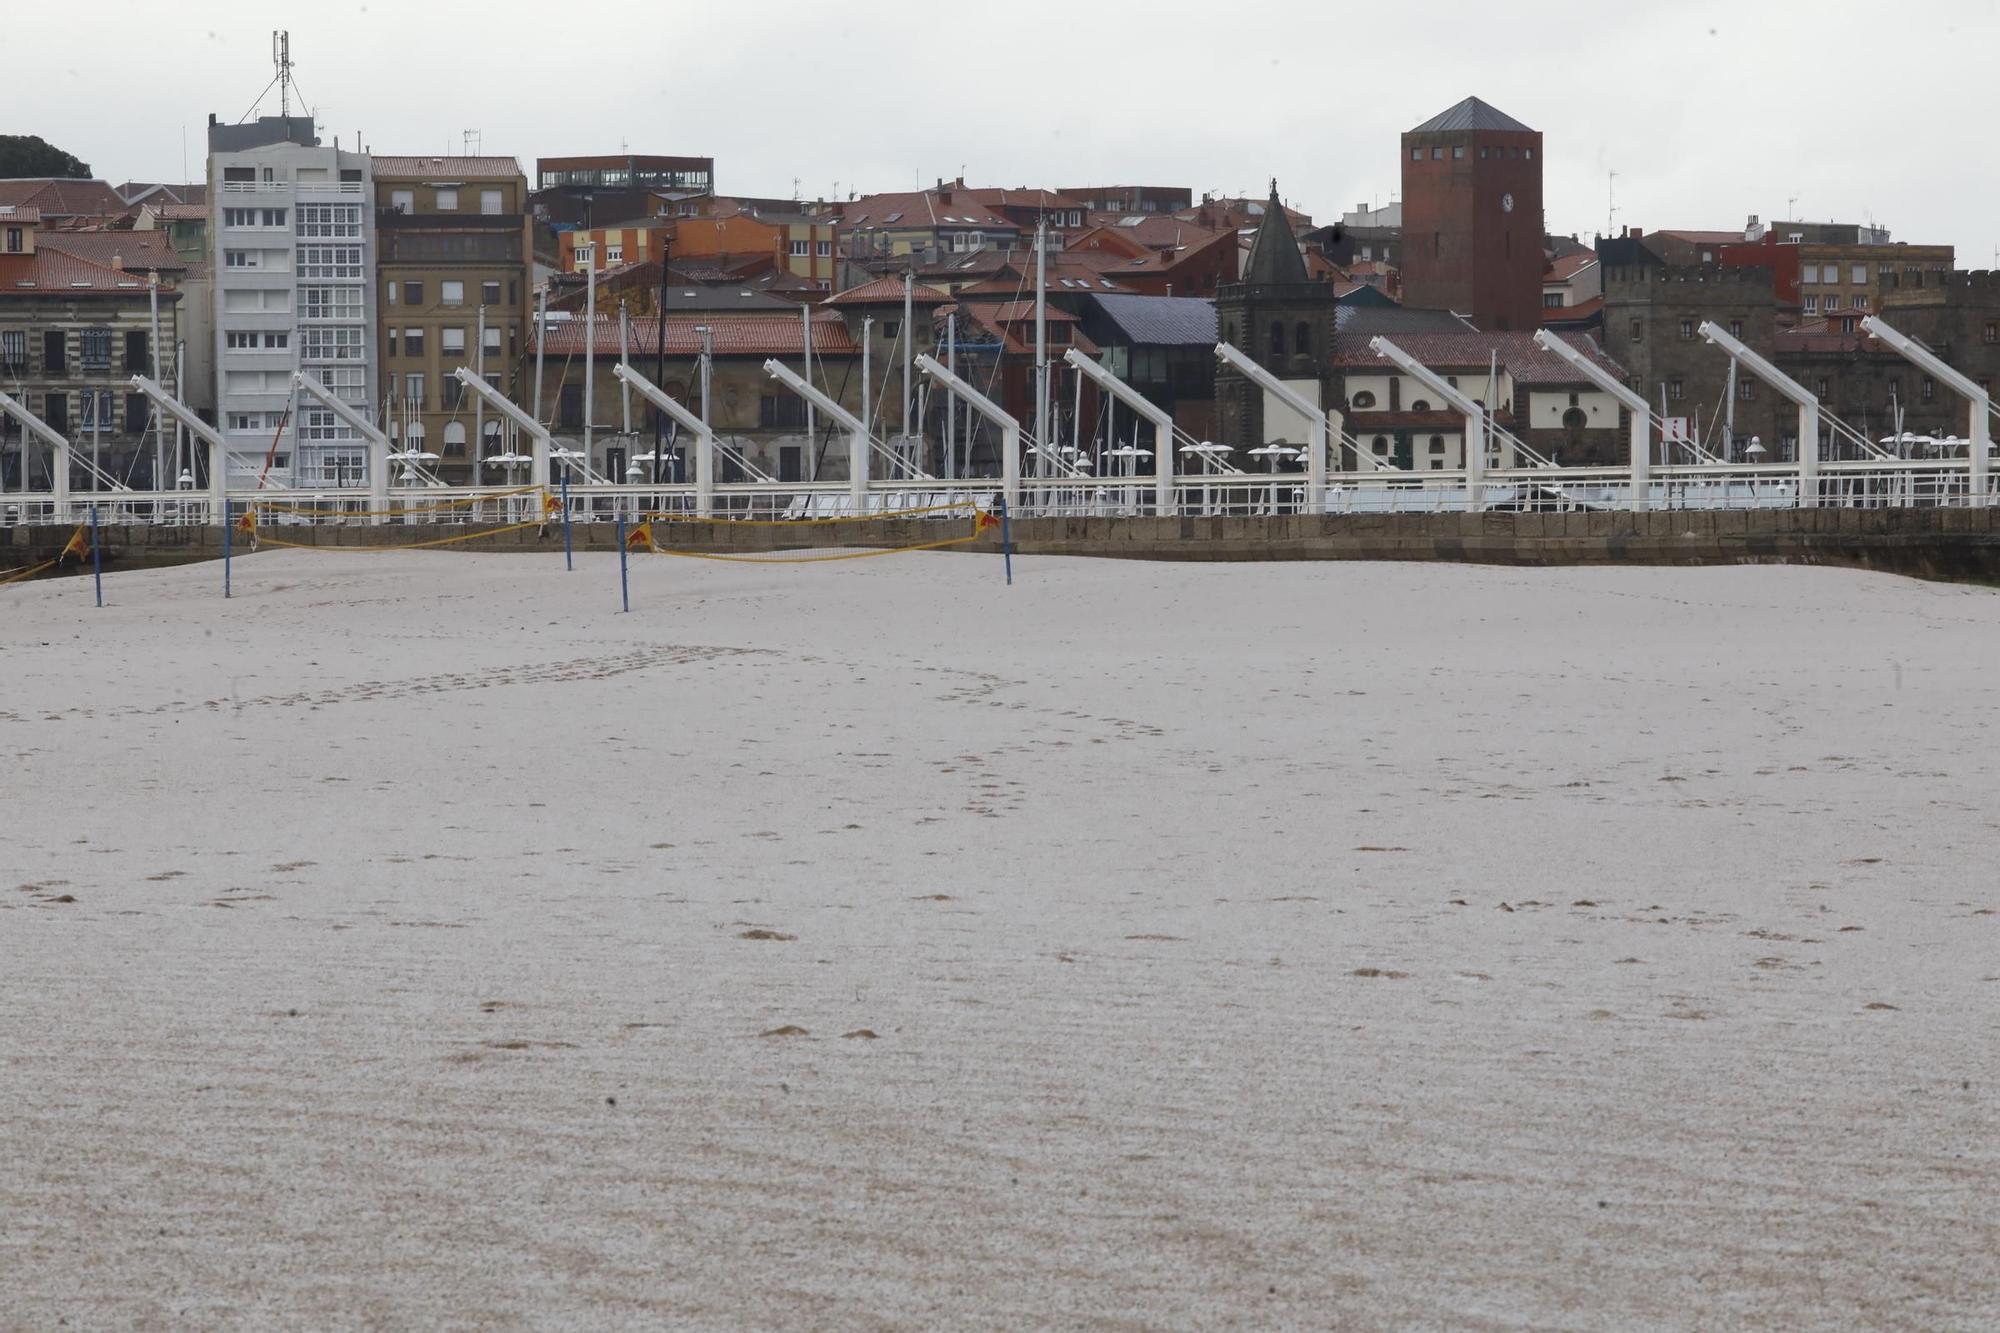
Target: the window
pixel 489 293
pixel 614 252
pixel 492 338
pixel 338 342
pixel 1809 273
pixel 1528 153
pixel 1824 388
pixel 1991 333
pixel 96 349
pixel 277 341
pixel 14 350
pixel 447 201
pixel 800 249
pixel 454 439
pixel 781 412
pixel 413 293
pixel 55 411
pixel 586 256
pixel 489 202
pixel 15 240
pixel 240 259
pixel 1437 444
pixel 1675 390
pixel 823 248
pixel 1457 152
pixel 332 302
pixel 331 222
pixel 1362 401
pixel 451 342
pixel 1380 446
pixel 137 354
pixel 402 201
pixel 239 217
pixel 1277 338
pixel 413 391
pixel 569 407
pixel 1550 300
pixel 329 261
pixel 1736 328
pixel 1437 153
pixel 891 327
pixel 1638 331
pixel 1832 302
pixel 1746 389
pixel 395 338
pixel 413 342
pixel 55 353
pixel 1574 420
pixel 1302 336
pixel 1687 330
pixel 1421 405
pixel 1812 305
pixel 1929 389
pixel 97 410
pixel 451 293
pixel 1416 155
pixel 1859 276
pixel 1860 301
pixel 271 217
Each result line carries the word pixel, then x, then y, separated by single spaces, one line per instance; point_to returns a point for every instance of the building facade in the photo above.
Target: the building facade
pixel 72 334
pixel 292 256
pixel 455 288
pixel 1652 324
pixel 1472 217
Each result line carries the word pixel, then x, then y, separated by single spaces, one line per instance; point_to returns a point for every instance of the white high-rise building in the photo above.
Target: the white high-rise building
pixel 292 242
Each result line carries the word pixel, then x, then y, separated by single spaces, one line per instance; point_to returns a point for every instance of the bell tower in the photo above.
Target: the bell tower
pixel 1282 319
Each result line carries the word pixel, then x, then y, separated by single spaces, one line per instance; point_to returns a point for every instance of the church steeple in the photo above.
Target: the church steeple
pixel 1274 251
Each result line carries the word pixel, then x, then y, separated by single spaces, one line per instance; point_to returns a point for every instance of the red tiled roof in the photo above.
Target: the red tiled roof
pixel 1570 314
pixel 50 271
pixel 1025 198
pixel 735 335
pixel 921 208
pixel 63 198
pixel 1567 267
pixel 446 168
pixel 137 251
pixel 20 213
pixel 1520 356
pixel 1017 338
pixel 181 212
pixel 1008 312
pixel 887 291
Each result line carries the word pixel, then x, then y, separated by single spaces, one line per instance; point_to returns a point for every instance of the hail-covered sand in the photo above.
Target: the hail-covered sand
pixel 416 941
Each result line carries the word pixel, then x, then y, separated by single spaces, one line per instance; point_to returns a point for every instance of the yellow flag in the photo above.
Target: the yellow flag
pixel 982 519
pixel 641 536
pixel 248 523
pixel 79 544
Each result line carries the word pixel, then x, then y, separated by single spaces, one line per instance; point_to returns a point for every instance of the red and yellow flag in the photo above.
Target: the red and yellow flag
pixel 247 525
pixel 79 543
pixel 982 519
pixel 549 503
pixel 641 536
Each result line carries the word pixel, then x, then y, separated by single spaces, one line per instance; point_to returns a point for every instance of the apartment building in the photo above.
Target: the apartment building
pixel 292 246
pixel 73 331
pixel 455 288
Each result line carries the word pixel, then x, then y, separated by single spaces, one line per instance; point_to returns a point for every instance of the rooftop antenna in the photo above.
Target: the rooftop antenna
pixel 1611 204
pixel 281 56
pixel 474 141
pixel 1792 208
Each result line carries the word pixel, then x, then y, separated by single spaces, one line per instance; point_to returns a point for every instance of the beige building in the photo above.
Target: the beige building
pixel 1836 278
pixel 455 288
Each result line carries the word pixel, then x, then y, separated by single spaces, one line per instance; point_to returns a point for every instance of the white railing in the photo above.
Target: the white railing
pixel 1856 484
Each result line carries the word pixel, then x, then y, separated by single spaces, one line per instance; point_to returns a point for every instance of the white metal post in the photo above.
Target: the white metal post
pixel 1980 432
pixel 153 368
pixel 541 335
pixel 811 468
pixel 378 443
pixel 1474 414
pixel 867 340
pixel 1010 428
pixel 590 350
pixel 1640 438
pixel 624 358
pixel 857 431
pixel 1162 422
pixel 32 425
pixel 951 403
pixel 704 444
pixel 1041 342
pixel 1808 405
pixel 687 421
pixel 479 404
pixel 506 407
pixel 218 451
pixel 909 349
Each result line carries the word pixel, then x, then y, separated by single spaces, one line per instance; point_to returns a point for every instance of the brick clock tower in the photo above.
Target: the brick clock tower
pixel 1472 217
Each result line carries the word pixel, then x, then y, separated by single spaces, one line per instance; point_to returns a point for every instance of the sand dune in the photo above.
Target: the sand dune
pixel 415 941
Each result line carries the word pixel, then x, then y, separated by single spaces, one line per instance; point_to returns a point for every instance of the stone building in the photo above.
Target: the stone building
pixel 1283 319
pixel 73 331
pixel 1652 318
pixel 455 288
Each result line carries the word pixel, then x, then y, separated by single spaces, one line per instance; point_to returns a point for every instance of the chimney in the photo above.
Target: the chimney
pixel 118 262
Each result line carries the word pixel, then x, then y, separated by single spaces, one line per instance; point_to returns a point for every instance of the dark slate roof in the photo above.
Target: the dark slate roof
pixel 1471 114
pixel 1274 252
pixel 1369 320
pixel 1161 320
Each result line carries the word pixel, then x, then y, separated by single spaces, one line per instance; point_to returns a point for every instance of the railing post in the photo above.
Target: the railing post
pixel 1809 455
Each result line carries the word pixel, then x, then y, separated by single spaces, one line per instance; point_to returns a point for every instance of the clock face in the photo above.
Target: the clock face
pixel 1506 203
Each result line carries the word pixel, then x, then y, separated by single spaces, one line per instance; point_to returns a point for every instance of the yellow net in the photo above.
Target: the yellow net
pixel 645 537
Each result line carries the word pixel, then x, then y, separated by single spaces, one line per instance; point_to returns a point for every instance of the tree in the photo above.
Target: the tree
pixel 31 155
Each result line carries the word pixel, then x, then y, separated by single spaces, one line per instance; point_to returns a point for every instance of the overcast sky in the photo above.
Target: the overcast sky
pixel 1707 111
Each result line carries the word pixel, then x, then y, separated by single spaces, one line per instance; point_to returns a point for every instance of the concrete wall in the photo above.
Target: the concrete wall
pixel 1926 543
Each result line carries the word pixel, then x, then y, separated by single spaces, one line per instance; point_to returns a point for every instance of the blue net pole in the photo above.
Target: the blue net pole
pixel 96 556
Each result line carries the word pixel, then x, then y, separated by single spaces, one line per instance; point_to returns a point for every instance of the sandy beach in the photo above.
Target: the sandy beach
pixel 415 941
